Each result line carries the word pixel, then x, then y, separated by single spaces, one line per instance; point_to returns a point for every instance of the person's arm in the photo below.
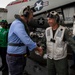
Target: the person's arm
pixel 22 34
pixel 68 36
pixel 70 39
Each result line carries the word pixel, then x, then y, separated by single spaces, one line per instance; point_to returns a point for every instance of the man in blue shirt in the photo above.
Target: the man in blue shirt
pixel 18 41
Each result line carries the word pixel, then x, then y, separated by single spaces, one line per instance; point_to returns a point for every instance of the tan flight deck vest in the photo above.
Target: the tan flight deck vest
pixel 56 50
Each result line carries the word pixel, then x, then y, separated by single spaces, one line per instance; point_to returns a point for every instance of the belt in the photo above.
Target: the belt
pixel 17 55
pixel 16 44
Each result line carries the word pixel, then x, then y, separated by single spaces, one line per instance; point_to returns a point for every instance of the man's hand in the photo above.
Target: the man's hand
pixel 39 51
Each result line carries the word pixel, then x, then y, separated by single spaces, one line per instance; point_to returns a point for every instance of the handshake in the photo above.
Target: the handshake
pixel 39 51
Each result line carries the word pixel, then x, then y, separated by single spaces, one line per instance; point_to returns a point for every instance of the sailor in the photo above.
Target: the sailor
pixel 56 46
pixel 3 44
pixel 71 40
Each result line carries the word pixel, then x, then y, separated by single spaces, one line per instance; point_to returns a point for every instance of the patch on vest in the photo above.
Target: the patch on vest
pixel 48 32
pixel 59 33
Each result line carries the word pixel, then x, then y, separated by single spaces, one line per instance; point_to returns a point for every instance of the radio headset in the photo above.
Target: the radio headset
pixel 27 11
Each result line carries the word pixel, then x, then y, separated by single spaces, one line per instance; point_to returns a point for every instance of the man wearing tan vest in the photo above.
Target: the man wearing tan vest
pixel 56 46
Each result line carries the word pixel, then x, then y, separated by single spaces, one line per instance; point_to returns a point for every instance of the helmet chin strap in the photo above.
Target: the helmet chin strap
pixel 27 20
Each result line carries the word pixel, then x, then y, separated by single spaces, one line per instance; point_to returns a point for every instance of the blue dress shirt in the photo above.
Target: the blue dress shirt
pixel 18 34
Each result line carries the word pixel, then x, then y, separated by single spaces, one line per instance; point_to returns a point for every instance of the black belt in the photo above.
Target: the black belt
pixel 16 44
pixel 17 55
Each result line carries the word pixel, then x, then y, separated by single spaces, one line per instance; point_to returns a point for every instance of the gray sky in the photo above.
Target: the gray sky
pixel 3 3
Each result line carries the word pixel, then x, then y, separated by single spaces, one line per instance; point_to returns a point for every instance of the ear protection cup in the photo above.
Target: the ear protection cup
pixel 54 15
pixel 26 14
pixel 26 11
pixel 57 18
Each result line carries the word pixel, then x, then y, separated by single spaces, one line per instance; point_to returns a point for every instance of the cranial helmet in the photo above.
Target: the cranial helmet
pixel 53 14
pixel 25 11
pixel 4 22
